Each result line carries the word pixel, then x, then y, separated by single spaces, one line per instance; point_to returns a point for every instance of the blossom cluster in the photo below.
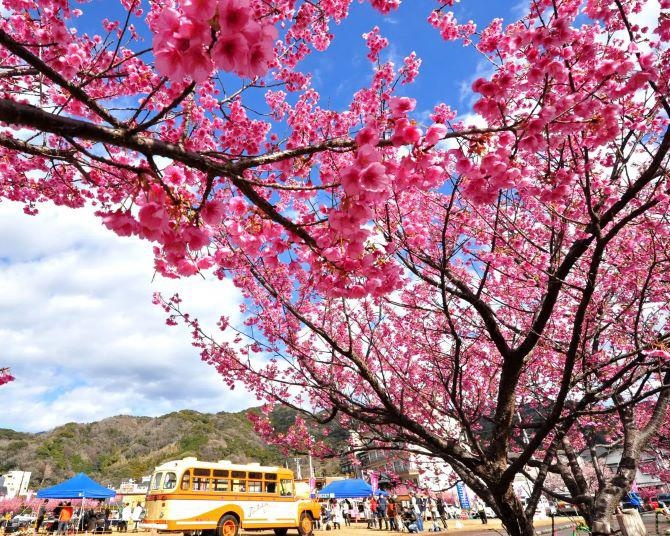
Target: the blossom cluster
pixel 449 28
pixel 5 376
pixel 375 43
pixel 184 44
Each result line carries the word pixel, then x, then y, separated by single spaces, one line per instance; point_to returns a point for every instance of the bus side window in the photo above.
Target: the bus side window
pixel 286 488
pixel 221 484
pixel 186 480
pixel 255 484
pixel 200 479
pixel 220 480
pixel 270 487
pixel 239 481
pixel 200 483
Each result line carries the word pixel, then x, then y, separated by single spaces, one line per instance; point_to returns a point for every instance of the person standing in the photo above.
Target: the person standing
pixel 392 512
pixel 431 506
pixel 346 512
pixel 41 514
pixel 355 511
pixel 482 514
pixel 64 518
pixel 373 513
pixel 366 511
pixel 382 505
pixel 137 516
pixel 56 515
pixel 338 517
pixel 126 516
pixel 441 511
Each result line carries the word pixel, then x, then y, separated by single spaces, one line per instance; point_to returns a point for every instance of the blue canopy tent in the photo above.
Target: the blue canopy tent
pixel 346 489
pixel 80 486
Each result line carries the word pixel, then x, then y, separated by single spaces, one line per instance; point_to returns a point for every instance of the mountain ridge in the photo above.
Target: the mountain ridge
pixel 127 446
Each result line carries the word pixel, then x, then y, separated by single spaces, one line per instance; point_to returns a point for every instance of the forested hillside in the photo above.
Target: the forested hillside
pixel 129 447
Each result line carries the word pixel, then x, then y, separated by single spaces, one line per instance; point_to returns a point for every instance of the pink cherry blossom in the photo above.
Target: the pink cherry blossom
pixel 373 178
pixel 212 212
pixel 179 47
pixel 121 222
pixel 202 10
pixel 400 106
pixel 231 53
pixel 233 15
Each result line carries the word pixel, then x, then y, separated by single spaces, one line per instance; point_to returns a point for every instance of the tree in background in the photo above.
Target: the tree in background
pixel 607 446
pixel 474 291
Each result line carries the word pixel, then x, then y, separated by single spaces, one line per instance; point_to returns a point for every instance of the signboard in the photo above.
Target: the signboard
pixel 462 496
pixel 374 482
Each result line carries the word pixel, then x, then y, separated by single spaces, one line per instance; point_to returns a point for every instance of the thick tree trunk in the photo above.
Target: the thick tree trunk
pixel 512 515
pixel 607 500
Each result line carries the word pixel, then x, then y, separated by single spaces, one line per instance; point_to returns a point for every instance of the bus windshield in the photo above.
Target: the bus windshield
pixel 170 481
pixel 156 481
pixel 286 487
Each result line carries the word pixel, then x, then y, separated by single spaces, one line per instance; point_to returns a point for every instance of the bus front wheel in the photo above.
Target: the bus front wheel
pixel 306 526
pixel 228 526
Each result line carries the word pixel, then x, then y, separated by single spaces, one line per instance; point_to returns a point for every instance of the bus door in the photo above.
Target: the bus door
pixel 288 505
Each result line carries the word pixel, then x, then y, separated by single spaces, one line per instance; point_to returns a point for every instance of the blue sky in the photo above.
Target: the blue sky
pixel 76 318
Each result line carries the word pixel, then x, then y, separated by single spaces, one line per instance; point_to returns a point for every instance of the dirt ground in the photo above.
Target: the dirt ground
pixel 471 526
pixel 468 525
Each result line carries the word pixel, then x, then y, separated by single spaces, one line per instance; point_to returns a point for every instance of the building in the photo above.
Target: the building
pixel 133 492
pixel 15 483
pixel 650 472
pixel 132 487
pixel 390 466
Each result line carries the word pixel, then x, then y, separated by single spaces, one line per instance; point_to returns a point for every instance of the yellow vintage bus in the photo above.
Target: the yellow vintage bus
pixel 220 498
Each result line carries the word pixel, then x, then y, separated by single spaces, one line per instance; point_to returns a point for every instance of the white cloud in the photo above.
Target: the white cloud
pixel 80 332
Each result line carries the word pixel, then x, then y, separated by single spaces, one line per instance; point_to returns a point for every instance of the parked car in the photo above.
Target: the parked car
pixel 566 509
pixel 19 522
pixel 651 504
pixel 23 519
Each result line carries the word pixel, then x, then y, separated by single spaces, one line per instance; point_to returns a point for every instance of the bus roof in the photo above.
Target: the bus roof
pixel 186 463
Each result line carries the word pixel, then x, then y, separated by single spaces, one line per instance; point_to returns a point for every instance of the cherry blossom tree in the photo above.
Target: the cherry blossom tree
pixel 479 291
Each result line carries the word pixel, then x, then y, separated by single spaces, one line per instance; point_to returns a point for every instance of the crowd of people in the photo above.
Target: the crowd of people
pixel 65 517
pixel 419 513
